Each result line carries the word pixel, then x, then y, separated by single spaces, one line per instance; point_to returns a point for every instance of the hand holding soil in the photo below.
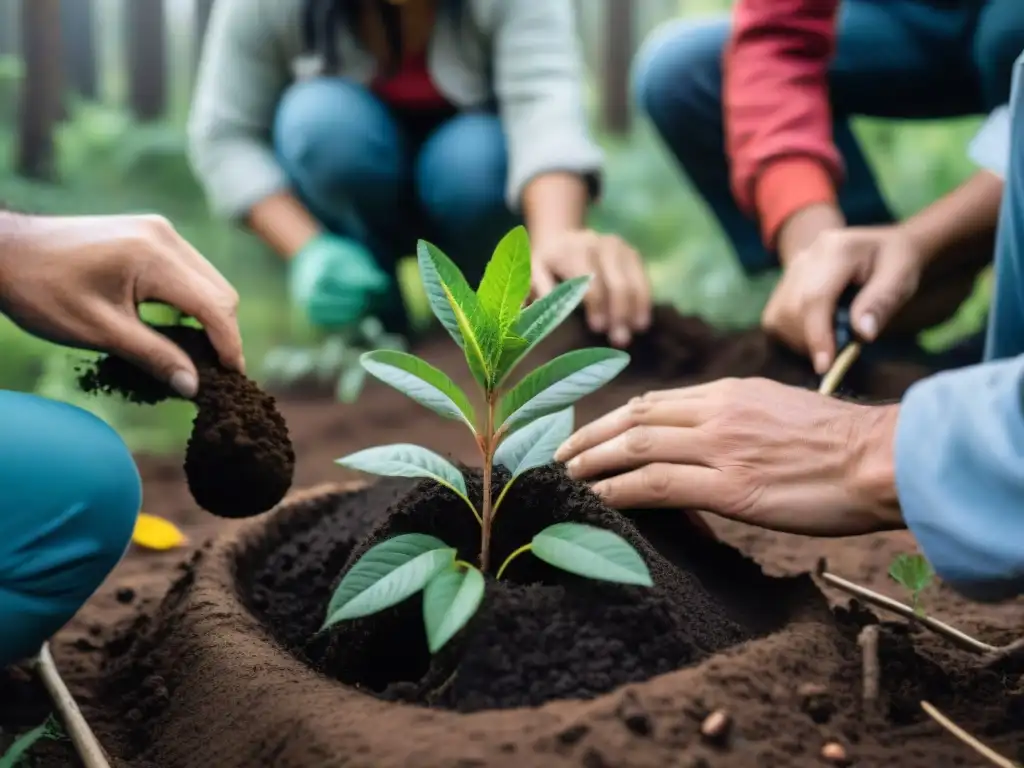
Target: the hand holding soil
pixel 79 280
pixel 751 450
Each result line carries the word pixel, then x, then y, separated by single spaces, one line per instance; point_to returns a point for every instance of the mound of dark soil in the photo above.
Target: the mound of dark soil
pixel 541 634
pixel 239 461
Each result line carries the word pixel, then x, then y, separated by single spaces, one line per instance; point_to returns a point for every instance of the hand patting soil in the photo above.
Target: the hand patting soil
pixel 239 461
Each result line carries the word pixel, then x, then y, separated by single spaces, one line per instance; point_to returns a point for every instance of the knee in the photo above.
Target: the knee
pixel 331 135
pixel 997 47
pixel 81 492
pixel 461 173
pixel 677 74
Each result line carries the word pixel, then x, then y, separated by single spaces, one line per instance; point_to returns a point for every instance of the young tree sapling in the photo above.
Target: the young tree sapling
pixel 520 427
pixel 914 573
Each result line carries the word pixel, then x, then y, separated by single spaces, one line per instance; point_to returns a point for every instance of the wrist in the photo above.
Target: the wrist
pixel 871 471
pixel 799 231
pixel 12 237
pixel 922 239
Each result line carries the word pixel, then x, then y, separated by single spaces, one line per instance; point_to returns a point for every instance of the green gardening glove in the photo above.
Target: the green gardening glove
pixel 336 281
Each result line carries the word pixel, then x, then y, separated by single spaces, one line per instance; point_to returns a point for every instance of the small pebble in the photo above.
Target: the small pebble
pixel 715 727
pixel 835 753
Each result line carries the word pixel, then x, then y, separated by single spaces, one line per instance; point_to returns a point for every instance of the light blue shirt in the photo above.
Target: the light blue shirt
pixel 960 436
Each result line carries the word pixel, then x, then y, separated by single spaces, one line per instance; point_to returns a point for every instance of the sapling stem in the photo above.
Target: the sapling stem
pixel 485 501
pixel 513 556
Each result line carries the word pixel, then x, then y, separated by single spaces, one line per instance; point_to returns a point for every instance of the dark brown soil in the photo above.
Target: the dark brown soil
pixel 239 461
pixel 541 634
pixel 192 677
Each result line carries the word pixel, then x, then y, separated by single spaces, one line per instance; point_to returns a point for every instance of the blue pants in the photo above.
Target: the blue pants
pixel 894 58
pixel 69 496
pixel 385 178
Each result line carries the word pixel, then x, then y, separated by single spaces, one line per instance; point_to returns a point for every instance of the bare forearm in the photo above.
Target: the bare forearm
pixel 553 204
pixel 283 223
pixel 962 222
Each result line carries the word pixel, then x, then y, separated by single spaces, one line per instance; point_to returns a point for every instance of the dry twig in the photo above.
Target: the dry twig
pixel 831 380
pixel 868 642
pixel 89 749
pixel 994 757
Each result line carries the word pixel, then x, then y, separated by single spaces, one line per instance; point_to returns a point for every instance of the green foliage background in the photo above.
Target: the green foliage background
pixel 110 165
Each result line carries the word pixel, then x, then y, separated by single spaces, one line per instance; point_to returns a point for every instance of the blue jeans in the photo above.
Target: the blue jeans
pixel 386 179
pixel 69 496
pixel 894 58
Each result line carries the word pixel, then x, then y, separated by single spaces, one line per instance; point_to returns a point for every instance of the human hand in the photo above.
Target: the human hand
pixel 751 450
pixel 619 299
pixel 78 280
pixel 336 281
pixel 886 261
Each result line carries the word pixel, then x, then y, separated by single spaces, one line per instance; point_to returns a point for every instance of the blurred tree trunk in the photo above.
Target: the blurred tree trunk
pixel 78 37
pixel 40 102
pixel 147 58
pixel 619 45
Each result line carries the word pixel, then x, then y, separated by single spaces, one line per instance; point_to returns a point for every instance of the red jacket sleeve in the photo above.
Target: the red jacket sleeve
pixel 778 121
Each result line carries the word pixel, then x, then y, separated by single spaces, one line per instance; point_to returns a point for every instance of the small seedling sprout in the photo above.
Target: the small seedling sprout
pixel 518 427
pixel 914 574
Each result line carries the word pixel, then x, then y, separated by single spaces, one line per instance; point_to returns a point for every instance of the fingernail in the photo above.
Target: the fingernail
pixel 185 384
pixel 598 323
pixel 867 326
pixel 572 467
pixel 821 362
pixel 619 336
pixel 563 450
pixel 599 488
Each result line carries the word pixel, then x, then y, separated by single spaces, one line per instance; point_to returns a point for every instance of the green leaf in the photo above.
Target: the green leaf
pixel 512 350
pixel 591 552
pixel 442 278
pixel 387 574
pixel 544 315
pixel 420 381
pixel 449 602
pixel 406 460
pixel 478 352
pixel 506 280
pixel 560 383
pixel 18 751
pixel 911 571
pixel 535 444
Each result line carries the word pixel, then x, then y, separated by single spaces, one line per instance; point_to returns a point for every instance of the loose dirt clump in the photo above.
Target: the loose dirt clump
pixel 542 634
pixel 239 461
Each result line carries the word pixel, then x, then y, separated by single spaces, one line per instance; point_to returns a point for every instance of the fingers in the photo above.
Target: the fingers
pixel 541 279
pixel 819 333
pixel 891 284
pixel 182 277
pixel 595 303
pixel 638 412
pixel 136 342
pixel 664 485
pixel 628 294
pixel 172 280
pixel 636 447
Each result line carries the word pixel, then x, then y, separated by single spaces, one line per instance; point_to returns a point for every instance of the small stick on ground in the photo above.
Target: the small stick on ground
pixel 830 381
pixel 89 749
pixel 955 636
pixel 994 757
pixel 868 642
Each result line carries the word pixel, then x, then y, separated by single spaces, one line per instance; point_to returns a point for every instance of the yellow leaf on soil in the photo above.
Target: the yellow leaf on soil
pixel 154 532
